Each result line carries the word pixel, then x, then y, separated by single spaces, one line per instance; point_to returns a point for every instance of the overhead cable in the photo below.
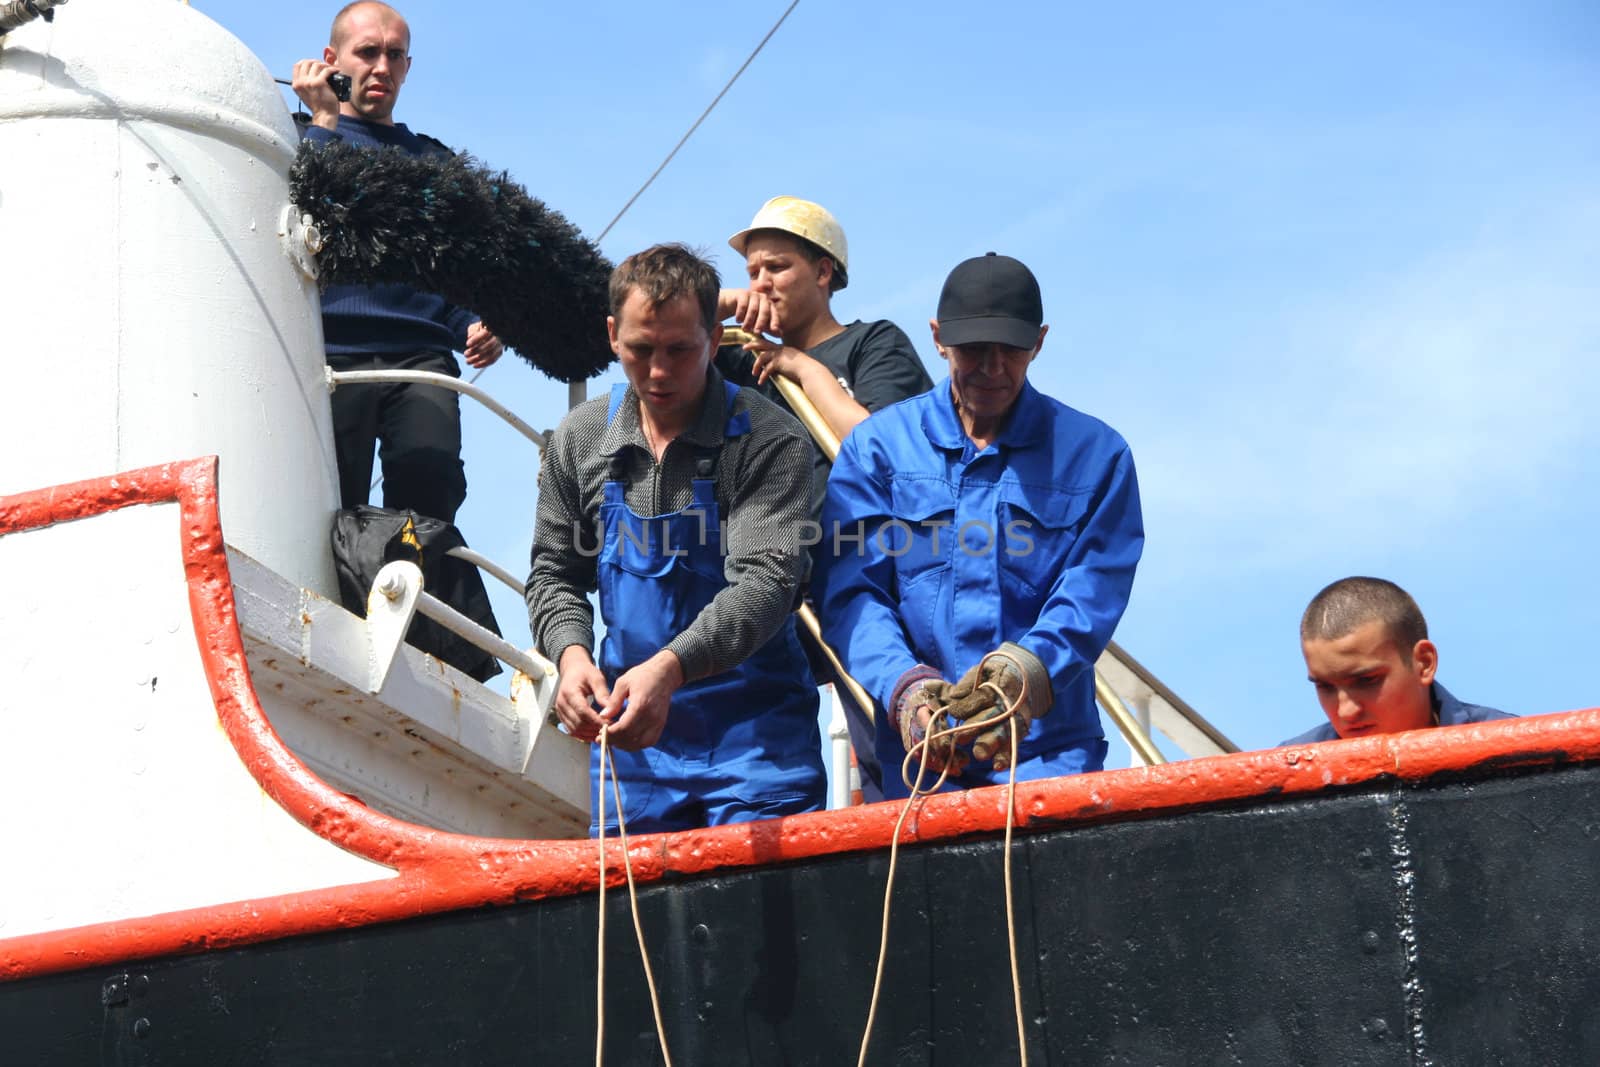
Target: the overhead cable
pixel 703 115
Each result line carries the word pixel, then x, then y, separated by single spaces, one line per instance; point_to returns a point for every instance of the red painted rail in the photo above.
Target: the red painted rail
pixel 440 871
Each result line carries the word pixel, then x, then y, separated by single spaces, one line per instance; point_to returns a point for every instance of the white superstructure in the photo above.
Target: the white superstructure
pixel 158 305
pixel 148 310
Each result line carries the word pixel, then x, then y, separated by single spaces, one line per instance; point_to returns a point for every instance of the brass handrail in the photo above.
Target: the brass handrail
pixel 808 415
pixel 1168 712
pixel 828 442
pixel 813 625
pixel 796 398
pixel 1131 731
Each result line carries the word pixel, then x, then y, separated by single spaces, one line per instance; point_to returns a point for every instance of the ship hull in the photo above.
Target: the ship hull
pixel 1439 922
pixel 1419 898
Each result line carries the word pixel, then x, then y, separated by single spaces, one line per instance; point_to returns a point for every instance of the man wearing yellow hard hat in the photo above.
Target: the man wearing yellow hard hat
pixel 796 258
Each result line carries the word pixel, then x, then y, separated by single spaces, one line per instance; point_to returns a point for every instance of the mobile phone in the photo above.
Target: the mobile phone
pixel 340 84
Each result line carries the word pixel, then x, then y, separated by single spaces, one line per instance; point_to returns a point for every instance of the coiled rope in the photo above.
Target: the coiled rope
pixel 919 752
pixel 607 766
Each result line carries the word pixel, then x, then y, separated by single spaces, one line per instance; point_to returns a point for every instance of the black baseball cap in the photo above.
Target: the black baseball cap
pixel 991 299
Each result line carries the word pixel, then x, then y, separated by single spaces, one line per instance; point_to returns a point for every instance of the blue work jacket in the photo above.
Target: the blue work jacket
pixel 936 552
pixel 1451 712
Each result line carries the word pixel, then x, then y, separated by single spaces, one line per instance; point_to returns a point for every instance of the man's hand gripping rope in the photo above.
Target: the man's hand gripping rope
pixel 938 721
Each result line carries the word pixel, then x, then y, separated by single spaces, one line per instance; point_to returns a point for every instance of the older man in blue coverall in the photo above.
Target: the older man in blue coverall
pixel 979 546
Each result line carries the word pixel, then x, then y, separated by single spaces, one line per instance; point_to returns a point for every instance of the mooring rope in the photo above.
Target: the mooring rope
pixel 607 765
pixel 919 752
pixel 1011 917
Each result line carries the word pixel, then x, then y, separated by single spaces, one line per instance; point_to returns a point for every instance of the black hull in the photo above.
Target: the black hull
pixel 1451 922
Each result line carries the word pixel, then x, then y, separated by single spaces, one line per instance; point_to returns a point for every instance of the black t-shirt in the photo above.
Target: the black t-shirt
pixel 874 361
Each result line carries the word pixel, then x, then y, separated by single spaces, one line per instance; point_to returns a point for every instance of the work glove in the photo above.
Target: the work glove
pixel 923 687
pixel 1009 684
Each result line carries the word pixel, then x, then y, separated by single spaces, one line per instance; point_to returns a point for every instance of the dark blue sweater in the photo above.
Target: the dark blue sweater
pixel 361 320
pixel 1452 712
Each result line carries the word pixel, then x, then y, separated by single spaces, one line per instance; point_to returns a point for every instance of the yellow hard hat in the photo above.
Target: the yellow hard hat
pixel 806 220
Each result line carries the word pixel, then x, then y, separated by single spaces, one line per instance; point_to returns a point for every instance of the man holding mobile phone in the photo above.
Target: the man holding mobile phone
pixel 388 327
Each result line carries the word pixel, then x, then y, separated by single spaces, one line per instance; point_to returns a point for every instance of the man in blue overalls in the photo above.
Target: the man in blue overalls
pixel 684 500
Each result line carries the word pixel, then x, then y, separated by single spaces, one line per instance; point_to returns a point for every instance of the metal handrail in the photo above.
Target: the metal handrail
pixel 796 398
pixel 808 415
pixel 337 378
pixel 462 552
pixel 828 441
pixel 1132 732
pixel 1175 708
pixel 813 625
pixel 455 384
pixel 486 639
pixel 400 580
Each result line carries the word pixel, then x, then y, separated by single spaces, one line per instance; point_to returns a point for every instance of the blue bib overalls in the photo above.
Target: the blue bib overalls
pixel 738 745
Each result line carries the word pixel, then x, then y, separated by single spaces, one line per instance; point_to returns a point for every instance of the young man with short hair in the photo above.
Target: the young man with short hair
pixel 1367 653
pixel 683 500
pixel 796 259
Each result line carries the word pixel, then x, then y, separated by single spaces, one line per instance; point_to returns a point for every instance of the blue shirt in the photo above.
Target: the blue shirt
pixel 936 552
pixel 1451 711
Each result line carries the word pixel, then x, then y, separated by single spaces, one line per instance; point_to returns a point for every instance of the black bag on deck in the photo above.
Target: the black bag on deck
pixel 365 538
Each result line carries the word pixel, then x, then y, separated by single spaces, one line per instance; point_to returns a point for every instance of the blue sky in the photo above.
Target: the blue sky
pixel 1331 270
